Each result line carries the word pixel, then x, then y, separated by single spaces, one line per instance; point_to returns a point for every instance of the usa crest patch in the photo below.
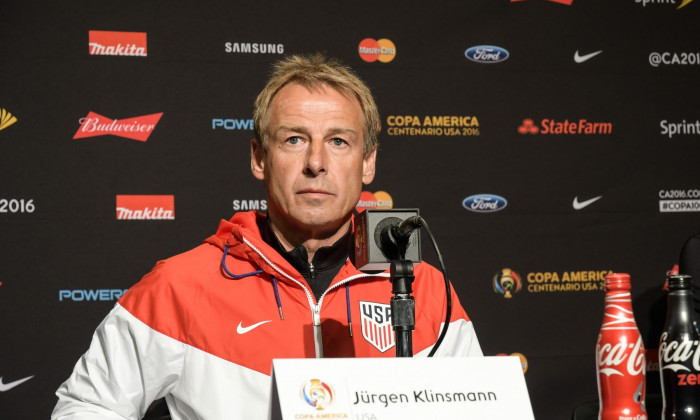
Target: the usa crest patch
pixel 376 325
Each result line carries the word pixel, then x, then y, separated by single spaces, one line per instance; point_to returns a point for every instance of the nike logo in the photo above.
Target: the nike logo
pixel 242 330
pixel 579 205
pixel 581 58
pixel 7 387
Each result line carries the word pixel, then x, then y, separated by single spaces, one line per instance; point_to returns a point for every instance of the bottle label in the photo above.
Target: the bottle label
pixel 679 355
pixel 613 358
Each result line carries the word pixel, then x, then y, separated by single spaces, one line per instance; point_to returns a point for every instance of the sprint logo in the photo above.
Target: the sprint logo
pixel 6 119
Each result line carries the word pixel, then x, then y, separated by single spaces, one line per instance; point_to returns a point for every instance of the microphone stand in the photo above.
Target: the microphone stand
pixel 403 310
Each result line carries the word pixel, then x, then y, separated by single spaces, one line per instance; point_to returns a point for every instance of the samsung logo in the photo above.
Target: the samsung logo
pixel 486 54
pixel 484 203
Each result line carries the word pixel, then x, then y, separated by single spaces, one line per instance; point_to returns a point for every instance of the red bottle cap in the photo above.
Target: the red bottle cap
pixel 616 281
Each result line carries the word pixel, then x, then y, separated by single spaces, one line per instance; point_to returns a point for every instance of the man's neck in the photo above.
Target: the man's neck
pixel 310 239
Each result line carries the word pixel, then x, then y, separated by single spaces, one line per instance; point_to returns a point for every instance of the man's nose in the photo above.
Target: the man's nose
pixel 315 160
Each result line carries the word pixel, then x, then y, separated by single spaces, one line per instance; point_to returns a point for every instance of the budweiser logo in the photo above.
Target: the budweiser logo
pixel 118 43
pixel 137 128
pixel 675 355
pixel 145 207
pixel 611 358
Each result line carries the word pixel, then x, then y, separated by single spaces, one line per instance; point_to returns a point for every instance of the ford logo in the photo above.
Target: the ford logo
pixel 484 203
pixel 486 54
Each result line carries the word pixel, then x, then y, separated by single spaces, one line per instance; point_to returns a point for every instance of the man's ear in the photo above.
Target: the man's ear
pixel 368 166
pixel 257 161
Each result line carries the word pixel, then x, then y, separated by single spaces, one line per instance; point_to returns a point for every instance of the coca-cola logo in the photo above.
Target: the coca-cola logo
pixel 675 354
pixel 612 356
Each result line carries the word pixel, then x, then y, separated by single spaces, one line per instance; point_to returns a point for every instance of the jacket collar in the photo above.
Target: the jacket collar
pixel 325 258
pixel 244 240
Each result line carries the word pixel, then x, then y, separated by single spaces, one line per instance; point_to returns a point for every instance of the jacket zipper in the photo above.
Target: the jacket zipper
pixel 315 307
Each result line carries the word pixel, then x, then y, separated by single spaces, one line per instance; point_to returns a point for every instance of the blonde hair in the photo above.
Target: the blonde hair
pixel 315 71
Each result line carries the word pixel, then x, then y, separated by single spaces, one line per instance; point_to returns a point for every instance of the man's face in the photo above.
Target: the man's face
pixel 314 167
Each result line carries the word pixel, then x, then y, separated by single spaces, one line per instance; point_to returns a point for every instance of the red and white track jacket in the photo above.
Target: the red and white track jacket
pixel 205 341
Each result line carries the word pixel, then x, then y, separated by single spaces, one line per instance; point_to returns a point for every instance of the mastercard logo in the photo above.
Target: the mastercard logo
pixel 372 50
pixel 523 360
pixel 377 200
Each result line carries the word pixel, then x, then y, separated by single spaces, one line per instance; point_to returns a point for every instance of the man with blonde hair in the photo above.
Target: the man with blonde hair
pixel 202 328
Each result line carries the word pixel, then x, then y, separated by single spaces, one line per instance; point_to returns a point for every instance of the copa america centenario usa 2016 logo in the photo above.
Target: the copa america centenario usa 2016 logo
pixel 317 394
pixel 507 283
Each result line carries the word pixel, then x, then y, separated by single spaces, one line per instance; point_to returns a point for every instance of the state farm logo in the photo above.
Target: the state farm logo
pixel 118 43
pixel 145 207
pixel 136 128
pixel 377 200
pixel 382 50
pixel 574 127
pixel 6 119
pixel 253 48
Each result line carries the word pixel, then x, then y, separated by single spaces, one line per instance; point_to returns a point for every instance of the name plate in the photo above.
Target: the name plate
pixel 400 388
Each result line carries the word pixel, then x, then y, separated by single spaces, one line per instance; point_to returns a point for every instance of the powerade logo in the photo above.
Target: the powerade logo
pixel 232 124
pixel 486 54
pixel 485 203
pixel 94 295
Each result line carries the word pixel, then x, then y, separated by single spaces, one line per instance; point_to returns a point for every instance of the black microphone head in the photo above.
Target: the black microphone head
pixel 369 226
pixel 384 238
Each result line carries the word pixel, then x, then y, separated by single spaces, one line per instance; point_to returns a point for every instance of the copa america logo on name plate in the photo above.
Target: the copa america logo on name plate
pixel 317 394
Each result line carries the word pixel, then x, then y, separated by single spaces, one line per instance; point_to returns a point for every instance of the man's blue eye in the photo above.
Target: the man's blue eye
pixel 293 140
pixel 338 142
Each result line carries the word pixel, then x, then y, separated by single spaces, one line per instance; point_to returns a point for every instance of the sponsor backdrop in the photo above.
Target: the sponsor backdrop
pixel 547 143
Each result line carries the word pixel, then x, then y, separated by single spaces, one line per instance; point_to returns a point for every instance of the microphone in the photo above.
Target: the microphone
pixel 385 235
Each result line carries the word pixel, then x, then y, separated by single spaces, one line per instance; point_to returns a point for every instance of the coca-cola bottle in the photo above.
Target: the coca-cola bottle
pixel 621 361
pixel 679 363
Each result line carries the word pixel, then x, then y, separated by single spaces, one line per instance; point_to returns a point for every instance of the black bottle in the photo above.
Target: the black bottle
pixel 679 358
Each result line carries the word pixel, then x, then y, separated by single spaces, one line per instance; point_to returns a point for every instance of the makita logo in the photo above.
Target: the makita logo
pixel 145 207
pixel 118 43
pixel 136 128
pixel 249 205
pixel 232 124
pixel 253 48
